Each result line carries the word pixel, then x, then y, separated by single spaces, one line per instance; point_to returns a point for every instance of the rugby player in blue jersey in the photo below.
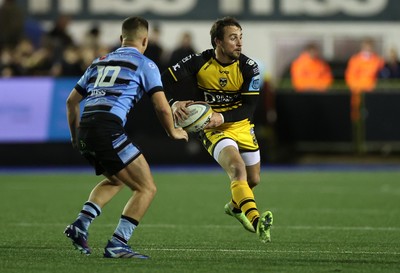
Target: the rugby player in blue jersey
pixel 111 86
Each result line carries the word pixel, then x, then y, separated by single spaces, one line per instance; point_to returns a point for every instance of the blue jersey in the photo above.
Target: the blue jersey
pixel 115 82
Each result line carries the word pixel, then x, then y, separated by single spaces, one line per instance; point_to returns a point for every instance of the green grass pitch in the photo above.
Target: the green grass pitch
pixel 324 221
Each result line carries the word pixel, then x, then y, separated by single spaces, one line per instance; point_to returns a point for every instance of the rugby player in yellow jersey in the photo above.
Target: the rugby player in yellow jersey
pixel 229 81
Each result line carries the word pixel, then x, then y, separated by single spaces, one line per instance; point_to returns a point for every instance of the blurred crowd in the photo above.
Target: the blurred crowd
pixel 26 49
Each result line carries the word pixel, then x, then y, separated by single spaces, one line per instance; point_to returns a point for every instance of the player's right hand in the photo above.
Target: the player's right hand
pixel 179 133
pixel 216 120
pixel 74 143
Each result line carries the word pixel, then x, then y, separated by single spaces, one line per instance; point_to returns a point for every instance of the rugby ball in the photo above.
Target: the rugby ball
pixel 199 116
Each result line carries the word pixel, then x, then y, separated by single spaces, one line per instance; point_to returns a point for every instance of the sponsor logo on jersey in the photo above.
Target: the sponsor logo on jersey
pixel 253 135
pixel 97 93
pixel 152 65
pixel 176 67
pixel 250 62
pixel 82 145
pixel 255 84
pixel 187 58
pixel 211 98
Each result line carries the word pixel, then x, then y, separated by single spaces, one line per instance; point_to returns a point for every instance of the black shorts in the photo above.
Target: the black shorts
pixel 104 143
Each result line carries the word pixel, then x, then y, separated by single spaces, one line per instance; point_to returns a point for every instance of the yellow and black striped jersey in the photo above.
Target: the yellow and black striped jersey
pixel 231 89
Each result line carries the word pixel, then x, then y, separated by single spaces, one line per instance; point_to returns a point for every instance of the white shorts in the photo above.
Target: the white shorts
pixel 249 158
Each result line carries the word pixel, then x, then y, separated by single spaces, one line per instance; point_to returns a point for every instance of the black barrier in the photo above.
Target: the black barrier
pixel 382 116
pixel 321 122
pixel 309 117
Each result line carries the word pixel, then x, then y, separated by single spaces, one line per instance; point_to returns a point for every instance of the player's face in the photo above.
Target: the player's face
pixel 231 46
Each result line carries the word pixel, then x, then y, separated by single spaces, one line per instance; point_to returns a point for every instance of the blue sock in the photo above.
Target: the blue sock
pixel 89 211
pixel 125 229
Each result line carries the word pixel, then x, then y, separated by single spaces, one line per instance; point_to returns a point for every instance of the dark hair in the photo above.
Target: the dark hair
pixel 132 24
pixel 217 29
pixel 311 46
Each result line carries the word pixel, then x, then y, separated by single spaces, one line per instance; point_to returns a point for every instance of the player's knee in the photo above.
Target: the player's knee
pixel 149 188
pixel 237 171
pixel 152 189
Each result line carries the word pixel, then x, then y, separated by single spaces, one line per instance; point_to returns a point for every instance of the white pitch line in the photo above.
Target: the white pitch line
pixel 273 251
pixel 365 228
pixel 173 226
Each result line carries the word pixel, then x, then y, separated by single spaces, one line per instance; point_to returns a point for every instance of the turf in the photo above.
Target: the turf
pixel 324 221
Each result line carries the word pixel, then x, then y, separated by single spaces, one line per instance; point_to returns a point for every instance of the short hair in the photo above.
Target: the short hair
pixel 368 40
pixel 311 46
pixel 217 29
pixel 132 25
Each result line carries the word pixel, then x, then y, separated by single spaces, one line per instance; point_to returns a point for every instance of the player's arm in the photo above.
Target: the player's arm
pixel 174 79
pixel 250 93
pixel 73 114
pixel 249 104
pixel 172 89
pixel 179 80
pixel 164 114
pixel 152 84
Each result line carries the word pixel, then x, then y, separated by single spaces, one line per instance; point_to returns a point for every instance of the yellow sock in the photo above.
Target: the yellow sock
pixel 235 207
pixel 243 196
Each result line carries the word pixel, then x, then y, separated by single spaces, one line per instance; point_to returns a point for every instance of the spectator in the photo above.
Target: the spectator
pixel 184 49
pixel 92 40
pixel 12 20
pixel 87 55
pixel 59 33
pixel 309 72
pixel 363 67
pixel 154 49
pixel 361 76
pixel 34 31
pixel 9 66
pixel 19 60
pixel 41 61
pixel 22 55
pixel 92 37
pixel 58 37
pixel 70 65
pixel 391 69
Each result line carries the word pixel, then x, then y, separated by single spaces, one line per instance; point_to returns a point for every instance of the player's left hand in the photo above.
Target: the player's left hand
pixel 180 111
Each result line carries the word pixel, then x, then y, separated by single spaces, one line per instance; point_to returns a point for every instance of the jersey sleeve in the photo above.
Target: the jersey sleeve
pixel 251 75
pixel 187 67
pixel 181 78
pixel 151 78
pixel 81 85
pixel 250 92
